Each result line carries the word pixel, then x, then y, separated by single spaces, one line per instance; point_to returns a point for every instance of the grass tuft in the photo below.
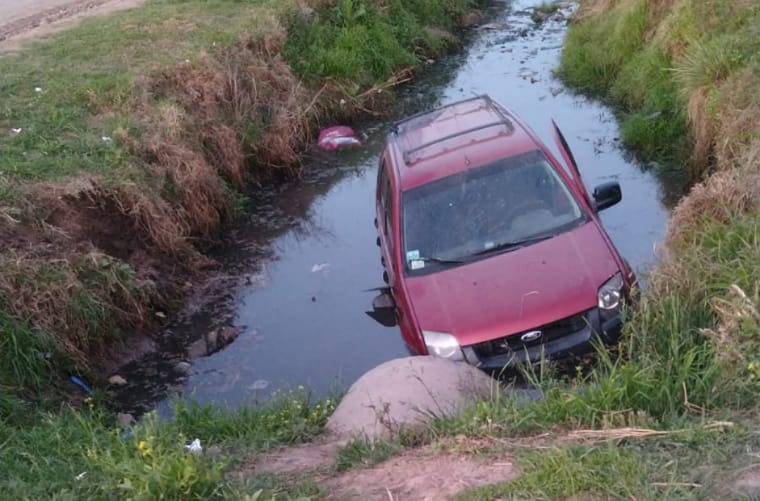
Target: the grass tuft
pixel 87 458
pixel 362 452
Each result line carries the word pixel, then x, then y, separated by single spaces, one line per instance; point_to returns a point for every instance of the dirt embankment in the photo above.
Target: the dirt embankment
pixel 87 257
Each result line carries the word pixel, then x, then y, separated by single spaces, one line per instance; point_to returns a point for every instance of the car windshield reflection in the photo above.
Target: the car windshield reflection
pixel 504 204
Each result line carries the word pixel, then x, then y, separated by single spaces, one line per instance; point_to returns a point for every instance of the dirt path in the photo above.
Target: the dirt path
pixel 426 473
pixel 24 20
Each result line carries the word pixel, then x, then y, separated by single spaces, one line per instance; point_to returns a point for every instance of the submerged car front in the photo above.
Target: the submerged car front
pixel 503 264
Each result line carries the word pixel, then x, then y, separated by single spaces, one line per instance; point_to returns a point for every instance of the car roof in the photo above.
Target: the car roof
pixel 455 138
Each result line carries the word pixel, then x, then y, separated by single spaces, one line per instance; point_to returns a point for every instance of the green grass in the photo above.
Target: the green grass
pixel 80 306
pixel 43 458
pixel 695 465
pixel 560 473
pixel 88 77
pixel 648 67
pixel 595 52
pixel 364 452
pixel 364 43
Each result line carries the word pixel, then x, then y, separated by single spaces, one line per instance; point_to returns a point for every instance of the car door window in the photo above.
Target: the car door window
pixel 386 203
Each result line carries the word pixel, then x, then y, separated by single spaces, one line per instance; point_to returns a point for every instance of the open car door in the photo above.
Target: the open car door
pixel 567 155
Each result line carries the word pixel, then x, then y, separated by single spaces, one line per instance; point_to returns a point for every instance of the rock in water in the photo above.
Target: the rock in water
pixel 407 392
pixel 182 367
pixel 124 420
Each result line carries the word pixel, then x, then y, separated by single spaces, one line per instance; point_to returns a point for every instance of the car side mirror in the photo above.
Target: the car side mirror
pixel 384 309
pixel 606 195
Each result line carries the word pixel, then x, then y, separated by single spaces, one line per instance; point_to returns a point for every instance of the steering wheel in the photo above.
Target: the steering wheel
pixel 522 208
pixel 504 221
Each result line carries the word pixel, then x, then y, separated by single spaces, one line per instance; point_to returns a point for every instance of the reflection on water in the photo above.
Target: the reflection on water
pixel 298 271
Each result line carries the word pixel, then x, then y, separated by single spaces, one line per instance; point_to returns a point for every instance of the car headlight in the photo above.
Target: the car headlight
pixel 442 344
pixel 610 294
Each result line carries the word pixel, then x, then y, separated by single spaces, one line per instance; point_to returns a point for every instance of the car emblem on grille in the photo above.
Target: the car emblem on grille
pixel 530 336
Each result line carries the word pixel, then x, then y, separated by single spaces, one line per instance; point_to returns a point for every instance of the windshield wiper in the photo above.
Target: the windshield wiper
pixel 507 246
pixel 438 260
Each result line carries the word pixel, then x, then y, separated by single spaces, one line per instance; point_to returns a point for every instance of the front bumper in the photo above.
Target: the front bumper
pixel 579 342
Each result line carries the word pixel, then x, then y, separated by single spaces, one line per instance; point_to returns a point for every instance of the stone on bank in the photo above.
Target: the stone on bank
pixel 407 392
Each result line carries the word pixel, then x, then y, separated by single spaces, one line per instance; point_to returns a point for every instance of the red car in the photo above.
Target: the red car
pixel 493 250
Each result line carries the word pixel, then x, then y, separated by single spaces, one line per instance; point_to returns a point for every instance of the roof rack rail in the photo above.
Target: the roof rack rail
pixel 395 126
pixel 504 120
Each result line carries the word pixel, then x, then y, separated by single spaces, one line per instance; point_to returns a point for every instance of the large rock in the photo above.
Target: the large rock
pixel 407 392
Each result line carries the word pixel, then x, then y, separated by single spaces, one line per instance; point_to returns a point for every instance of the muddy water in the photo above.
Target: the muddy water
pixel 296 274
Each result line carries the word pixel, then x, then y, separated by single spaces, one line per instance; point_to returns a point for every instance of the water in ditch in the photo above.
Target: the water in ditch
pixel 296 274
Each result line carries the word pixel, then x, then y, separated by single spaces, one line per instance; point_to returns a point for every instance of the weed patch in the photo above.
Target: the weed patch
pixel 85 457
pixel 363 452
pixel 367 42
pixel 664 64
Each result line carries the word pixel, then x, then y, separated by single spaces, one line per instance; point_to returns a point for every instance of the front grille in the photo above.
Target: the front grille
pixel 549 332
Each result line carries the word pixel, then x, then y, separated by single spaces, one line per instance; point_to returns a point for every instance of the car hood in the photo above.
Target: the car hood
pixel 515 291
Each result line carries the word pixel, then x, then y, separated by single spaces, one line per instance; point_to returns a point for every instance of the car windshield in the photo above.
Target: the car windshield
pixel 506 204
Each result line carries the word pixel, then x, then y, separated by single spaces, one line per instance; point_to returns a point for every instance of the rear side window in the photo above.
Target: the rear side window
pixel 386 203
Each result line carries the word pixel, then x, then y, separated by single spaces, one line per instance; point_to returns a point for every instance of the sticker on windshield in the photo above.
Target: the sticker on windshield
pixel 416 264
pixel 412 255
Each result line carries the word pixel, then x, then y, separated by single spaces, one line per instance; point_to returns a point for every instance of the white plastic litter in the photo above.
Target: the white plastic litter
pixel 320 267
pixel 194 446
pixel 80 476
pixel 259 384
pixel 106 139
pixel 17 131
pixel 38 89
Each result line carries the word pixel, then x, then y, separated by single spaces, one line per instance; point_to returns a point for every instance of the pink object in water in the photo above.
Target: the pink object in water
pixel 338 137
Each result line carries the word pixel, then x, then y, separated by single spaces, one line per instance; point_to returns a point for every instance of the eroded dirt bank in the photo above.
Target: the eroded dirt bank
pixel 118 173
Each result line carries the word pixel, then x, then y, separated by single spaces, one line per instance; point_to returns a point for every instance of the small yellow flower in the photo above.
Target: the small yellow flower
pixel 143 446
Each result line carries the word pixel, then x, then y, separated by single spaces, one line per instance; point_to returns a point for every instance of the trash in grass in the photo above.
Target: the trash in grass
pixel 38 89
pixel 17 130
pixel 81 384
pixel 80 476
pixel 106 139
pixel 338 137
pixel 259 384
pixel 124 420
pixel 194 446
pixel 117 380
